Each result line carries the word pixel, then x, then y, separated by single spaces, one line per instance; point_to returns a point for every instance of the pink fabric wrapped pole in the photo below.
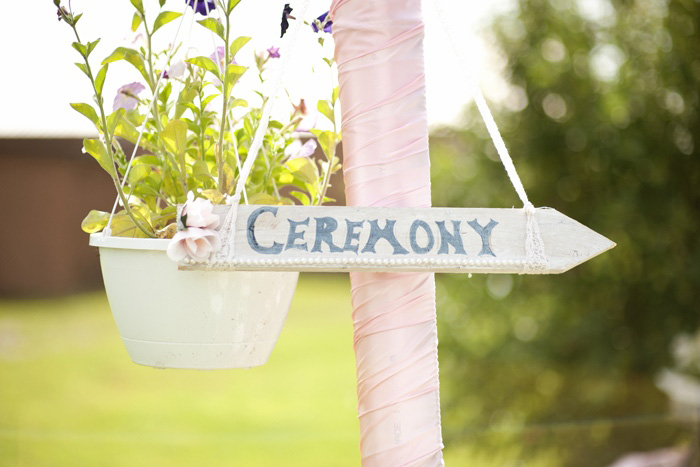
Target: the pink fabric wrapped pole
pixel 379 51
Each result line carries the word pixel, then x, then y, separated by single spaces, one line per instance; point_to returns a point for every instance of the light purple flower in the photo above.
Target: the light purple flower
pixel 127 96
pixel 273 52
pixel 218 57
pixel 297 150
pixel 175 71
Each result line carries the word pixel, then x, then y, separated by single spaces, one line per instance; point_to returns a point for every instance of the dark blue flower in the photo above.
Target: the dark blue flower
pixel 285 18
pixel 323 23
pixel 203 7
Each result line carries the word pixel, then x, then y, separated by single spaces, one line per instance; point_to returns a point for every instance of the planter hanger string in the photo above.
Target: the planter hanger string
pixel 535 258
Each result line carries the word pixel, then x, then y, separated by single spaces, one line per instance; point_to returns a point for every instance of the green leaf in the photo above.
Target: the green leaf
pixel 200 171
pixel 83 68
pixel 132 56
pixel 136 22
pixel 138 4
pixel 303 169
pixel 208 99
pixel 161 2
pixel 95 221
pixel 233 73
pixel 147 159
pixel 326 139
pixel 114 119
pixel 88 111
pixel 138 173
pixel 164 17
pixel 301 196
pixel 233 102
pixel 231 5
pixel 213 195
pixel 186 96
pixel 248 127
pixel 142 190
pixel 336 92
pixel 207 64
pixel 275 124
pixel 175 137
pixel 237 45
pixel 97 149
pixel 125 129
pixel 81 48
pixel 262 198
pixel 325 108
pixel 214 26
pixel 285 178
pixel 91 46
pixel 100 79
pixel 123 226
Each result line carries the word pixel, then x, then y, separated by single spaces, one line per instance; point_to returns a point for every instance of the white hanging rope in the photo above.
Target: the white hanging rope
pixel 535 258
pixel 228 229
pixel 107 231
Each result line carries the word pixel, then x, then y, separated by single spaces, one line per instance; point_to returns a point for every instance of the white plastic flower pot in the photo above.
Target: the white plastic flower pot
pixel 191 319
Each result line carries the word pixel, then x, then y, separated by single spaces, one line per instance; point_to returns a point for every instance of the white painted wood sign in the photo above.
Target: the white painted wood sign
pixel 454 240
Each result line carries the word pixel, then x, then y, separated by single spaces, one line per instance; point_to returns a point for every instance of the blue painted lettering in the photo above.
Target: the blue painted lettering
pixel 414 243
pixel 387 233
pixel 325 226
pixel 276 248
pixel 352 235
pixel 294 235
pixel 485 234
pixel 447 238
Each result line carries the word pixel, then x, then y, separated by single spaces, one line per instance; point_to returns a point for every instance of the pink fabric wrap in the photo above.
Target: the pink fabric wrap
pixel 379 51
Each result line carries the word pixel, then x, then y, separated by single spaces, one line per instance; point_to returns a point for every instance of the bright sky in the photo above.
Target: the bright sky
pixel 39 79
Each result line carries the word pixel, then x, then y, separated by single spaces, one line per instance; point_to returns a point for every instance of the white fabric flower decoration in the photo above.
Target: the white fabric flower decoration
pixel 198 240
pixel 195 243
pixel 199 212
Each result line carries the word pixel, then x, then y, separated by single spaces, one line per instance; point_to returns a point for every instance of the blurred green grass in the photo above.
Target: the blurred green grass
pixel 69 394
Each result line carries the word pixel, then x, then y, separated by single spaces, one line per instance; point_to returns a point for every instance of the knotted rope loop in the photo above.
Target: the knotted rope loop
pixel 535 258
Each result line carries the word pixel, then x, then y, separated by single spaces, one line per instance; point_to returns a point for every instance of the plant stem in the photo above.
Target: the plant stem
pixel 156 111
pixel 329 169
pixel 224 113
pixel 108 143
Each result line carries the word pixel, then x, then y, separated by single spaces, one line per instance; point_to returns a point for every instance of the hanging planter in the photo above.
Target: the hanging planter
pixel 191 319
pixel 194 127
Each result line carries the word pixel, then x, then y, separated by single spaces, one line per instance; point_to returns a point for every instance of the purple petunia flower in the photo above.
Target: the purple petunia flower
pixel 127 96
pixel 274 52
pixel 203 7
pixel 218 57
pixel 285 18
pixel 323 23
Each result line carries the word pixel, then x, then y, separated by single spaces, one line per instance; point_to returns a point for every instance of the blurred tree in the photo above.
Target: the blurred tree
pixel 602 120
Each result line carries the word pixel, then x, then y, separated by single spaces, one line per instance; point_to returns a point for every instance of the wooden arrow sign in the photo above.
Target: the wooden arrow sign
pixel 456 240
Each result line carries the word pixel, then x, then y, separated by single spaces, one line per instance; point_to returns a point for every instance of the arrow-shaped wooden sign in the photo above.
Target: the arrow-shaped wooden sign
pixel 455 240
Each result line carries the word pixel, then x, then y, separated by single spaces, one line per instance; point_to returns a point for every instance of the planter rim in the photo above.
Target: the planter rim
pixel 128 243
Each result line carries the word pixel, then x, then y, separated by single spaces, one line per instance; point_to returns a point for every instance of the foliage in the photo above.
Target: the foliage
pixel 602 121
pixel 184 144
